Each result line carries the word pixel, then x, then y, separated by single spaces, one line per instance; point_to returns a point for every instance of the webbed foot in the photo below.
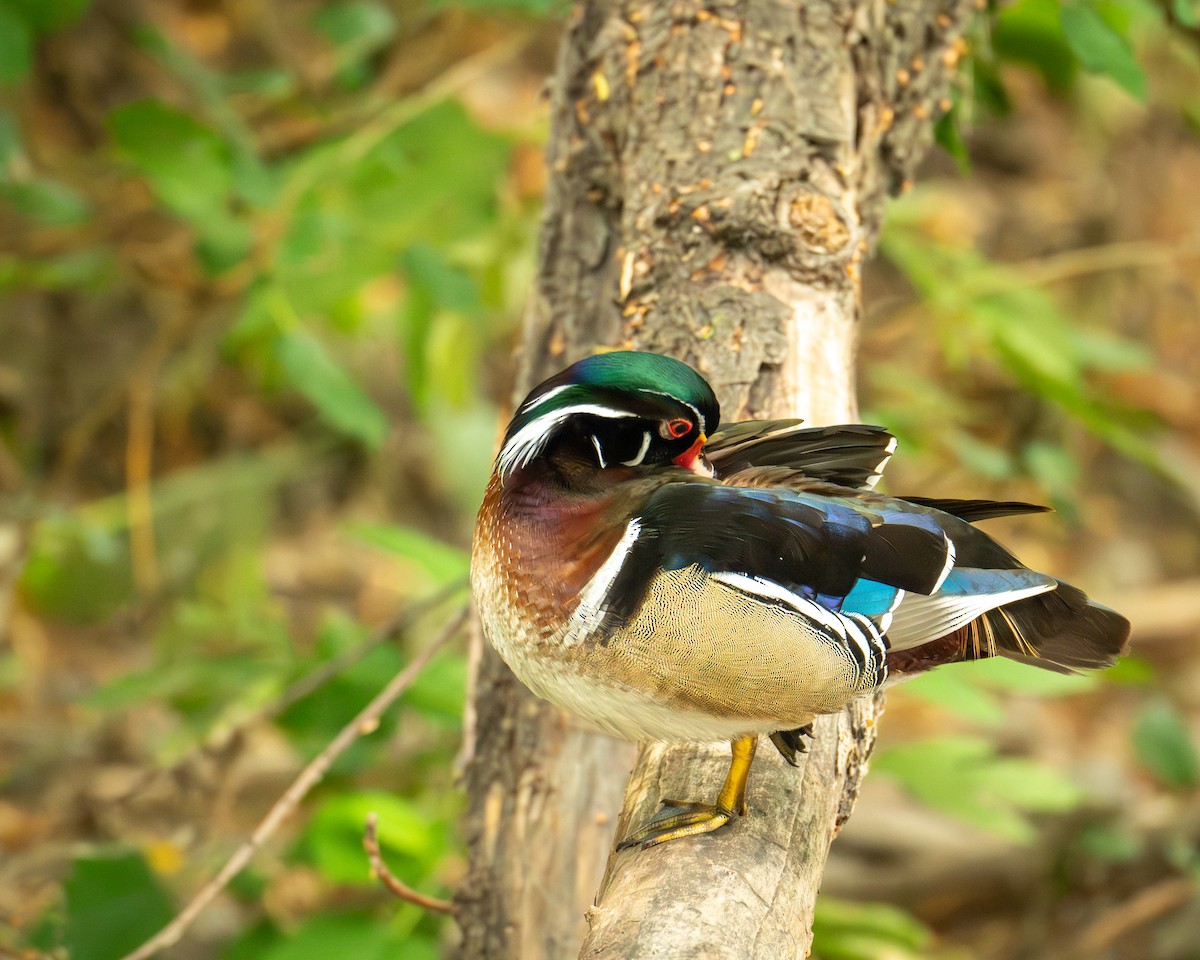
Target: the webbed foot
pixel 678 818
pixel 687 818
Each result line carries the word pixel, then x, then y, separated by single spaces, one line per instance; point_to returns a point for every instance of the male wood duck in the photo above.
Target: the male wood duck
pixel 667 579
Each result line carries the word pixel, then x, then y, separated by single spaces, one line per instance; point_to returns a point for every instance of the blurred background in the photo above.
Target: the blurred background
pixel 262 266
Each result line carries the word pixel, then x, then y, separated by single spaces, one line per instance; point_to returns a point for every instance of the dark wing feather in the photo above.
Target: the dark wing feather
pixel 851 455
pixel 976 510
pixel 814 546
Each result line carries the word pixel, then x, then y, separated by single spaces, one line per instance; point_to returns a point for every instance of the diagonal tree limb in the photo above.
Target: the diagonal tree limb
pixel 363 723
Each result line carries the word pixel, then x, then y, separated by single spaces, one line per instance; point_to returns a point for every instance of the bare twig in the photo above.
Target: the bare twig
pixel 221 738
pixel 390 880
pixel 347 658
pixel 1070 264
pixel 1150 904
pixel 365 722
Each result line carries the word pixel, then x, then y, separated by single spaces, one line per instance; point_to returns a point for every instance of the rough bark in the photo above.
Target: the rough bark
pixel 718 172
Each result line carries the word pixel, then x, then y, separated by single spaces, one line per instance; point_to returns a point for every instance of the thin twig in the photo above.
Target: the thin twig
pixel 1069 264
pixel 1150 904
pixel 220 739
pixel 390 880
pixel 365 722
pixel 313 681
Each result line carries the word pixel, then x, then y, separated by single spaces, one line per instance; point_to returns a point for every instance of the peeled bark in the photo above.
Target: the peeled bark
pixel 718 172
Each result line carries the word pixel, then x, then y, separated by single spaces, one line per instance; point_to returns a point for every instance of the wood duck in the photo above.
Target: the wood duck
pixel 665 578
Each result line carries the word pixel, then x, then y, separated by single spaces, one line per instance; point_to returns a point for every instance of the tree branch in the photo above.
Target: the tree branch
pixel 389 879
pixel 719 170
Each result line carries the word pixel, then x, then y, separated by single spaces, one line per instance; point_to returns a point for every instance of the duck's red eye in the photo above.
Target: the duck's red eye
pixel 679 427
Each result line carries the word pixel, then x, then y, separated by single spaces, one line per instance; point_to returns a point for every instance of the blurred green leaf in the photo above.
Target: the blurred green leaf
pixel 113 903
pixel 440 691
pixel 359 936
pixel 192 172
pixel 844 930
pixel 440 561
pixel 1000 673
pixel 47 201
pixel 77 569
pixel 356 27
pixel 44 16
pixel 1184 12
pixel 1164 746
pixel 949 688
pixel 1130 671
pixel 947 133
pixel 185 161
pixel 964 777
pixel 1030 31
pixel 339 401
pixel 333 839
pixel 1100 48
pixel 16 45
pixel 1113 843
pixel 438 295
pixel 83 268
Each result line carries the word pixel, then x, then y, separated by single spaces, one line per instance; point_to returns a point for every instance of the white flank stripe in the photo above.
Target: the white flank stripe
pixel 855 631
pixel 774 591
pixel 591 598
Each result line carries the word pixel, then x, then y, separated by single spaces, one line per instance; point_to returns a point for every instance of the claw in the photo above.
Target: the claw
pixel 789 742
pixel 687 818
pixel 678 820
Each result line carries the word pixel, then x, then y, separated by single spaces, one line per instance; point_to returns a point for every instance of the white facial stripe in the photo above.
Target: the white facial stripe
pixel 528 442
pixel 549 394
pixel 699 416
pixel 641 454
pixel 599 452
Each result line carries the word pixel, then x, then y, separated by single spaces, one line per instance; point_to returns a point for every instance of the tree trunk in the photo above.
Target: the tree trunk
pixel 718 172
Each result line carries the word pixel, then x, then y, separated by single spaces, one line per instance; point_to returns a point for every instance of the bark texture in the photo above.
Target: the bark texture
pixel 718 172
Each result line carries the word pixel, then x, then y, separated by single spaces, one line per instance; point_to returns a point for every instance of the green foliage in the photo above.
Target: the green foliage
pixel 994 318
pixel 965 777
pixel 191 169
pixel 357 29
pixel 1164 746
pixel 441 563
pixel 113 903
pixel 970 690
pixel 409 841
pixel 843 930
pixel 337 397
pixel 357 935
pixel 353 245
pixel 1101 47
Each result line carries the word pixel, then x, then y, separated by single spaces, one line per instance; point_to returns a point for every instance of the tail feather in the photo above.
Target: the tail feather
pixel 1060 630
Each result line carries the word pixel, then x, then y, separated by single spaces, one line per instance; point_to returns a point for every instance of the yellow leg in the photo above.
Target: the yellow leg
pixel 681 818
